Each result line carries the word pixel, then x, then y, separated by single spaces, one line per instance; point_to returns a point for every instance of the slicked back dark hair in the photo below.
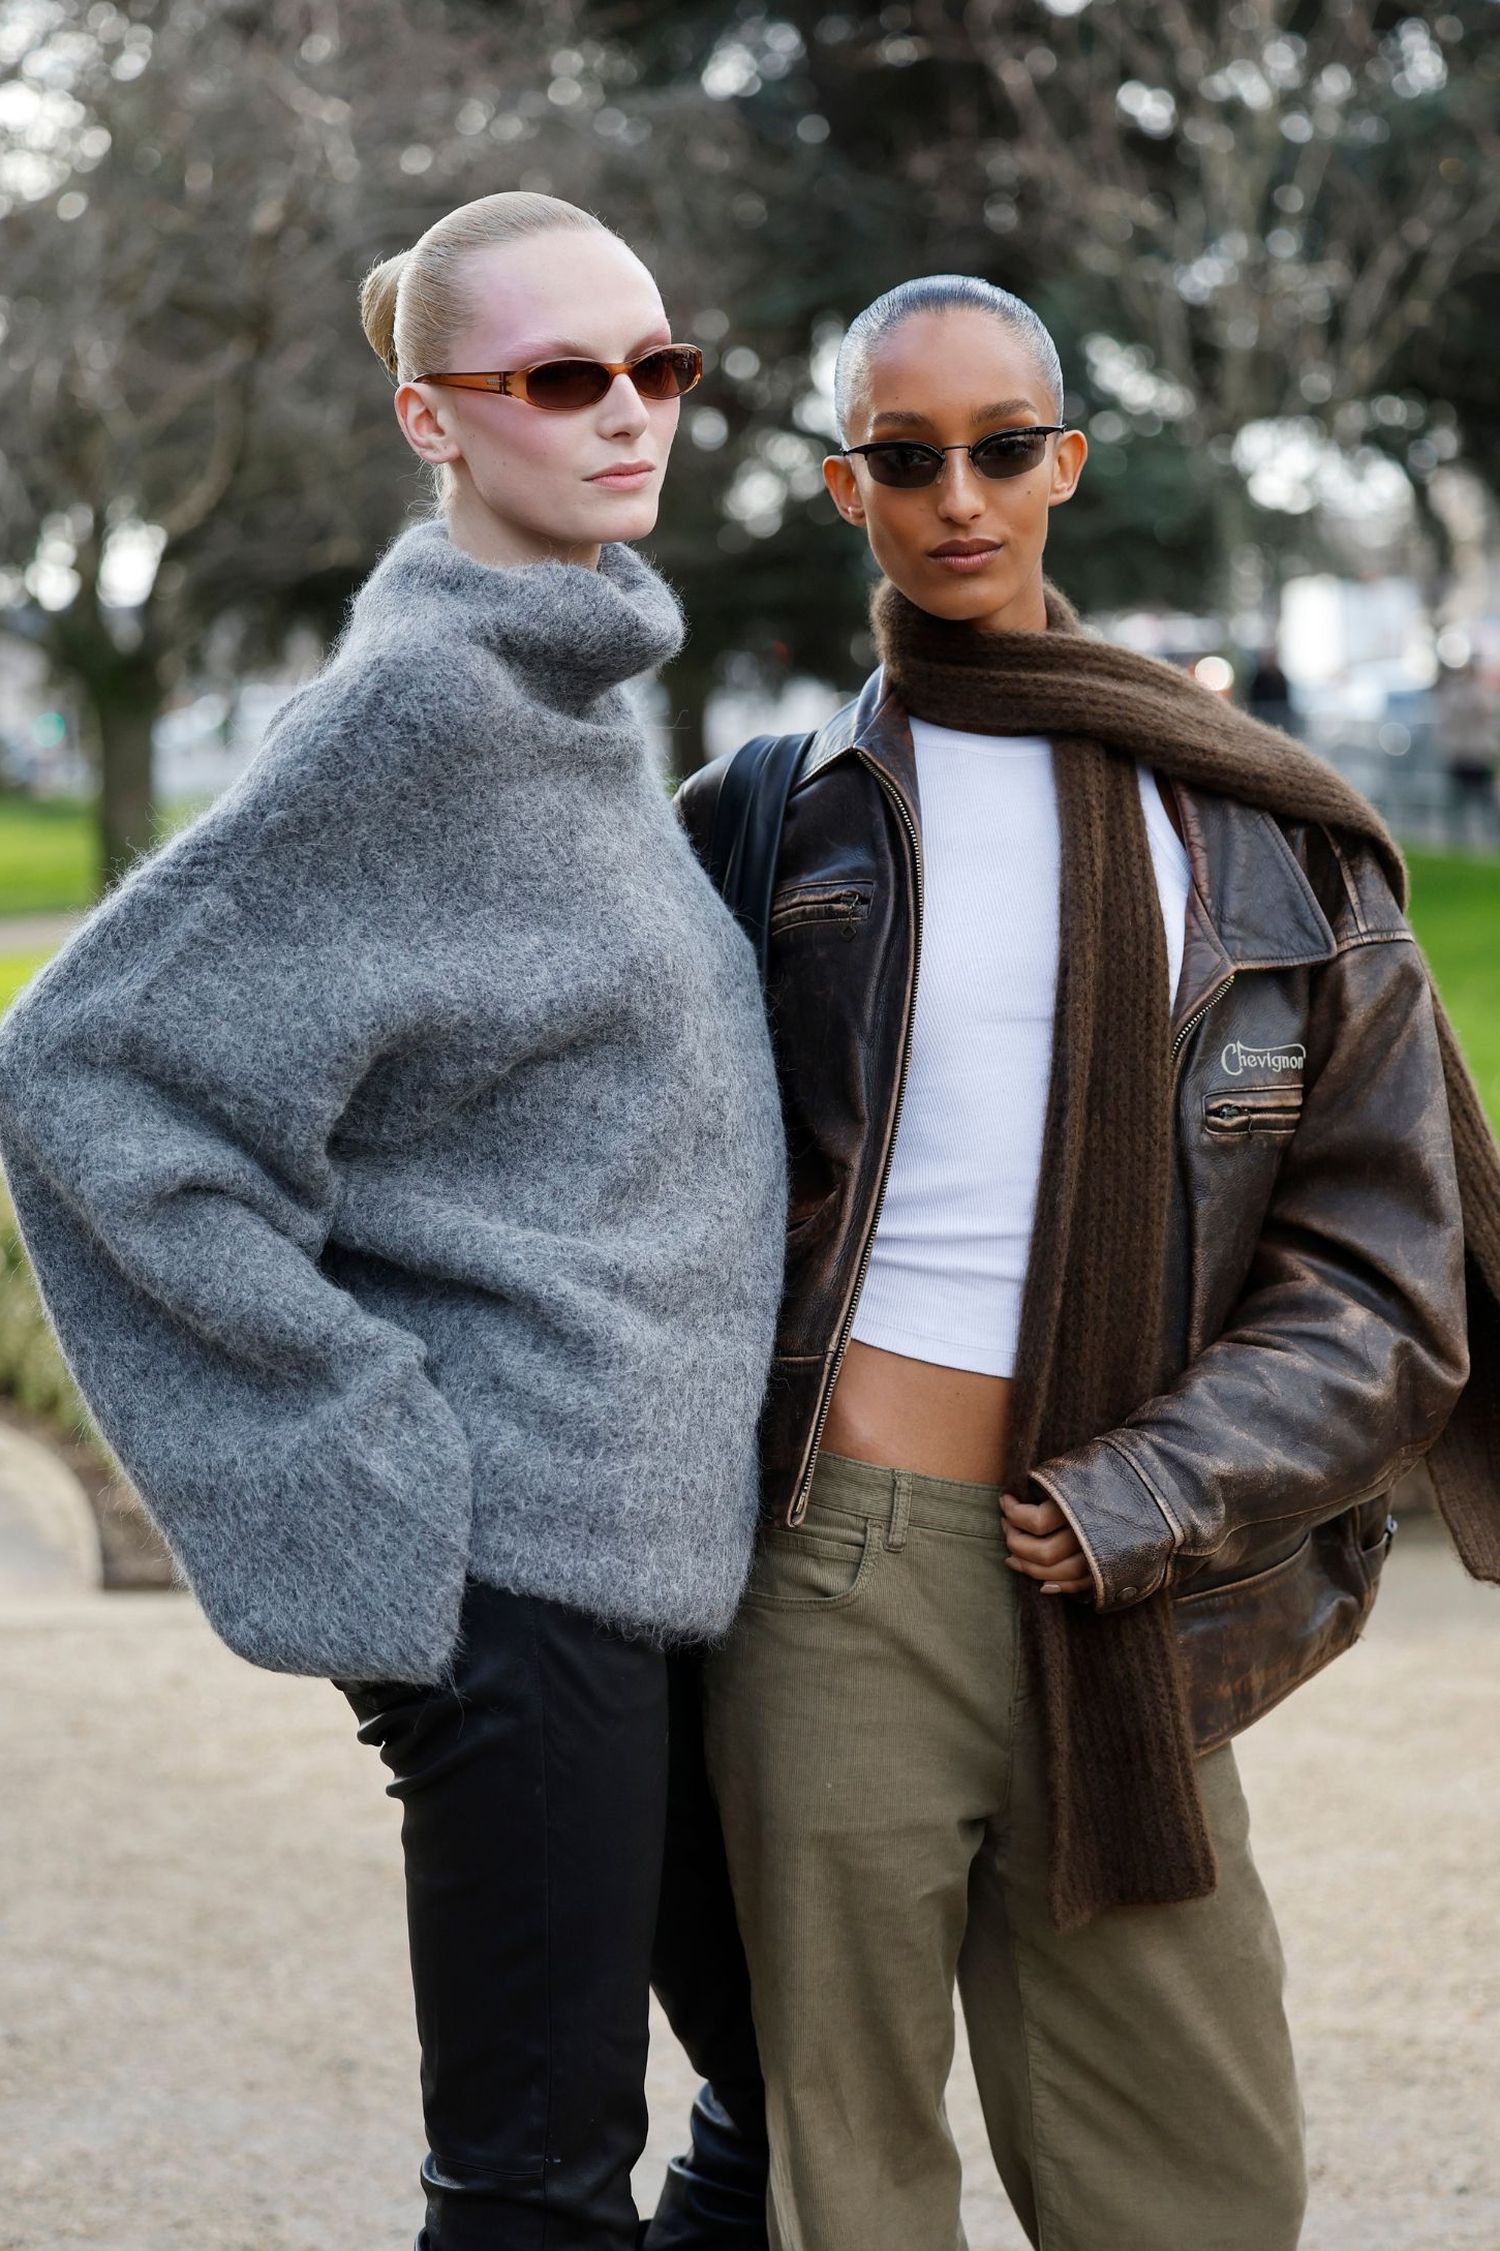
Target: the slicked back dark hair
pixel 940 293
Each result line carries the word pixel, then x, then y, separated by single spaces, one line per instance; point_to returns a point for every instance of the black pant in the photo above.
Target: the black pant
pixel 533 1799
pixel 714 2196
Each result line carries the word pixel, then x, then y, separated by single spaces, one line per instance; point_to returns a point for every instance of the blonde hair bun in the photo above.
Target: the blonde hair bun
pixel 377 308
pixel 412 305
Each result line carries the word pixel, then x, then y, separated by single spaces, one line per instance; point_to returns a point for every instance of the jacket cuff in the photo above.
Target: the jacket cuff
pixel 1127 1536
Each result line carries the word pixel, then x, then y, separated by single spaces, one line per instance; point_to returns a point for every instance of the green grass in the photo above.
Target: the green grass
pixel 1455 911
pixel 48 856
pixel 15 969
pixel 49 852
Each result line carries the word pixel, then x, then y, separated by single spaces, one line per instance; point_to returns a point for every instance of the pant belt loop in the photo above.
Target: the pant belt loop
pixel 895 1531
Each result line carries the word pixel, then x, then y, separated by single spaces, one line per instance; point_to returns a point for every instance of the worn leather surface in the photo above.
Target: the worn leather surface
pixel 1314 1264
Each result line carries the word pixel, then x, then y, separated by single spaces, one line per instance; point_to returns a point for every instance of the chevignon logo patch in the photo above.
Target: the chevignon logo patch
pixel 1237 1058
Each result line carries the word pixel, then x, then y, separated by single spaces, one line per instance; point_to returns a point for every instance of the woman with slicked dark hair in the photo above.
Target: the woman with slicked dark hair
pixel 1135 1182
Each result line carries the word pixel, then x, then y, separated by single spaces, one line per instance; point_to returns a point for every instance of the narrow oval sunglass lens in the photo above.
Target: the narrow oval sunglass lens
pixel 904 466
pixel 563 385
pixel 1010 453
pixel 666 374
pixel 659 376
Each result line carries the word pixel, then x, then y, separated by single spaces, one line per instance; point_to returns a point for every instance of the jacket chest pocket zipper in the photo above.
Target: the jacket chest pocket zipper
pixel 1271 1109
pixel 847 904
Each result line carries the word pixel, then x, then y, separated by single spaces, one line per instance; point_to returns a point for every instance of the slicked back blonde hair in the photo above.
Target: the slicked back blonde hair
pixel 413 304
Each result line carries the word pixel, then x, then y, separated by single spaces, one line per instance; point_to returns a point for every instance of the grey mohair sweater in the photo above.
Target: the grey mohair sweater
pixel 399 1148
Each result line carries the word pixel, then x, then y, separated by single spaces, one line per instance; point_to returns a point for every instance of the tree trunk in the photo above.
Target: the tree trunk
pixel 1238 578
pixel 124 688
pixel 126 699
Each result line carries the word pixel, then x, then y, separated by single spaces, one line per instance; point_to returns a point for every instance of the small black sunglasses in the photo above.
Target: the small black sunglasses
pixel 907 463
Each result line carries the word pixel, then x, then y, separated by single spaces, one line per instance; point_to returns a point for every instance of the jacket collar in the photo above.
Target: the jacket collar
pixel 1251 904
pixel 849 729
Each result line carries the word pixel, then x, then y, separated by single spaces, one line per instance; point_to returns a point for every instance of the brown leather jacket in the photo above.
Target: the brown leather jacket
pixel 1316 1257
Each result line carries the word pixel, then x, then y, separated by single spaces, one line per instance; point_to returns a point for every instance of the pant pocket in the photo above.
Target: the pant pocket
pixel 821 1567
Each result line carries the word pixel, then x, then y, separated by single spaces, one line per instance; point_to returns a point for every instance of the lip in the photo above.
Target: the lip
pixel 625 476
pixel 964 556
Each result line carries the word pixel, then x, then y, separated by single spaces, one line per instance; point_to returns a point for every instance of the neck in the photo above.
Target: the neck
pixel 1024 612
pixel 488 538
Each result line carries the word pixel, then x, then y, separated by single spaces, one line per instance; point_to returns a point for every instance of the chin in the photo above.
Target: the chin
pixel 960 600
pixel 631 516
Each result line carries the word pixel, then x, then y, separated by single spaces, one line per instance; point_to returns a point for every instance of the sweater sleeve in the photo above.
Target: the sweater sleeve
pixel 170 1093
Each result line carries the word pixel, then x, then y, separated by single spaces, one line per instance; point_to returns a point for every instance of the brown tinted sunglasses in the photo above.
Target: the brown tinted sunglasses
pixel 565 386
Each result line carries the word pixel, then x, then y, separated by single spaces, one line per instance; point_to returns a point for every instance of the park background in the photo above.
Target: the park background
pixel 1264 237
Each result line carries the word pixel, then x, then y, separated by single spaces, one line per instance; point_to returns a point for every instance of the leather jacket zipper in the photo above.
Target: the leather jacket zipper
pixel 1196 1019
pixel 815 895
pixel 799 1505
pixel 1258 1110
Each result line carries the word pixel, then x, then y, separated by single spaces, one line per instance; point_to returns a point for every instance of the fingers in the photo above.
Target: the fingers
pixel 1043 1546
pixel 1033 1516
pixel 1037 1531
pixel 1057 1547
pixel 1071 1577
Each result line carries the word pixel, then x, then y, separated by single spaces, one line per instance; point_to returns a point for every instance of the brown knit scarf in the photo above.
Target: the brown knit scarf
pixel 1127 1823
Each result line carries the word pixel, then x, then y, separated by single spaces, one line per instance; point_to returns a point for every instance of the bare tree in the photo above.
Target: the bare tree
pixel 1274 197
pixel 191 428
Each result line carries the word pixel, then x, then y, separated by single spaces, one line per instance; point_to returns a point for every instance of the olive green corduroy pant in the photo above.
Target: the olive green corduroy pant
pixel 875 1750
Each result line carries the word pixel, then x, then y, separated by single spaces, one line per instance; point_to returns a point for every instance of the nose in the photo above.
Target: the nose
pixel 622 410
pixel 960 490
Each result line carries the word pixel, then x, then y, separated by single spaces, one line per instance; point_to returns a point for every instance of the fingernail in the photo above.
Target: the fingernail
pixel 1049 1588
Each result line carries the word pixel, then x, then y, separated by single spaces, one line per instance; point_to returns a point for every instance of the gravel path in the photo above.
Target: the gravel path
pixel 205 2026
pixel 34 933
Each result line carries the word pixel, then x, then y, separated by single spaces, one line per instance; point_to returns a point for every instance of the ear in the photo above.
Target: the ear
pixel 1069 456
pixel 422 424
pixel 843 487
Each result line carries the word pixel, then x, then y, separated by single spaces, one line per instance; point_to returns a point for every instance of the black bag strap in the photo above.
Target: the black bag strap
pixel 747 831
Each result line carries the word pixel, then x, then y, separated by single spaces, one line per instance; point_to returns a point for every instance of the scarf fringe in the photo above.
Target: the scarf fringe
pixel 1138 1746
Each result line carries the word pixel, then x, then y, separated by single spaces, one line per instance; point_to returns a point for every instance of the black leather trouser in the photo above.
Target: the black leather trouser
pixel 533 1797
pixel 714 2197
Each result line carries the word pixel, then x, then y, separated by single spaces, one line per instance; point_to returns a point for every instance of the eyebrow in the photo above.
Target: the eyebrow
pixel 906 421
pixel 567 348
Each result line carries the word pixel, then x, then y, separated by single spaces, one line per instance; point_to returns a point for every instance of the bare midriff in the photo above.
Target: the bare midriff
pixel 912 1414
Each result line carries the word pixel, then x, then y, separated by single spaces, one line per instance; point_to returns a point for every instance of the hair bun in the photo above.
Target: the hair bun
pixel 377 309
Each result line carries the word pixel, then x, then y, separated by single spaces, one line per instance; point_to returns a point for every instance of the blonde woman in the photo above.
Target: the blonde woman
pixel 399 1151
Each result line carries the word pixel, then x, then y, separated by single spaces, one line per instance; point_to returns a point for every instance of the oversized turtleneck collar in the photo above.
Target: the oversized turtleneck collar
pixel 569 633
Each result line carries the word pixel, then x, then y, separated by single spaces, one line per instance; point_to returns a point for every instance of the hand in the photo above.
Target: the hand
pixel 1043 1545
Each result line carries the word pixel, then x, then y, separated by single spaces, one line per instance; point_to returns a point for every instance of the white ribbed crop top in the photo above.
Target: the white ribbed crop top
pixel 949 1257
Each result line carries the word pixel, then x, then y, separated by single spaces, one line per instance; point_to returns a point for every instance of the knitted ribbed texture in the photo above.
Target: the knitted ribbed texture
pixel 1127 1822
